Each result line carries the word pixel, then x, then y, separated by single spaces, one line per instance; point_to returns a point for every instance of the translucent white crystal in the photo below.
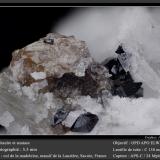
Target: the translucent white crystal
pixel 71 118
pixel 38 75
pixel 6 118
pixel 25 130
pixel 125 60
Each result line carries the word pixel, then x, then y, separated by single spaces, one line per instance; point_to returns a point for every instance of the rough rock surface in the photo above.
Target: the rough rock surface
pixel 94 81
pixel 50 83
pixel 59 64
pixel 51 56
pixel 56 87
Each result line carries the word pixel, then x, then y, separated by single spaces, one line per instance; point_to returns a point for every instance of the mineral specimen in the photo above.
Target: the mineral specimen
pixel 56 71
pixel 124 58
pixel 119 50
pixel 60 115
pixel 129 89
pixel 95 80
pixel 56 87
pixel 85 123
pixel 122 81
pixel 61 65
pixel 72 117
pixel 44 60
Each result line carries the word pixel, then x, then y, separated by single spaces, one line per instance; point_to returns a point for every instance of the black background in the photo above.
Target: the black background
pixel 20 26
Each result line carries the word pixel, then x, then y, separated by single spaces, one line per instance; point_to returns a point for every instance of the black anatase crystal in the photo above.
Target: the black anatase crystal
pixel 119 50
pixel 85 123
pixel 123 84
pixel 60 116
pixel 2 129
pixel 130 89
pixel 117 71
pixel 49 41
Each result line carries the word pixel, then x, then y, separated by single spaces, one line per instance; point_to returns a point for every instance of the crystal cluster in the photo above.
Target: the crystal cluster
pixel 50 57
pixel 49 80
pixel 56 87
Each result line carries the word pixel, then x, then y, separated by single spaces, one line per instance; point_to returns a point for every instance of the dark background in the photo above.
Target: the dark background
pixel 20 26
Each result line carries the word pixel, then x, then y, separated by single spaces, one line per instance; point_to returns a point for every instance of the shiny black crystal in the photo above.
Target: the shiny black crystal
pixel 85 123
pixel 60 116
pixel 49 41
